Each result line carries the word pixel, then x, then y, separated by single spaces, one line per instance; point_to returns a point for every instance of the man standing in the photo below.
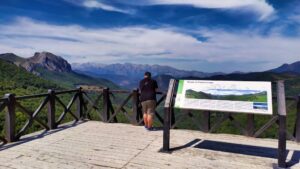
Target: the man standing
pixel 148 88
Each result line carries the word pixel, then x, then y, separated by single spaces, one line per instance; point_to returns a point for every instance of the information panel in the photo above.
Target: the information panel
pixel 228 96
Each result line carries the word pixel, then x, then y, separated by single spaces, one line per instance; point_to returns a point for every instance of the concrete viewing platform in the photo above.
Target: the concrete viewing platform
pixel 95 144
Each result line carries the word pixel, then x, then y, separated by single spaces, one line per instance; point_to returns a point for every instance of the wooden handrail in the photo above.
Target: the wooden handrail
pixel 31 96
pixel 66 91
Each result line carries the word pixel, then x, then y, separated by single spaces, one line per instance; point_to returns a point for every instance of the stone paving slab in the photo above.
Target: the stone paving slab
pixel 94 145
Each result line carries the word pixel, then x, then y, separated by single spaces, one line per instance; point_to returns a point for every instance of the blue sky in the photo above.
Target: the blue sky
pixel 205 35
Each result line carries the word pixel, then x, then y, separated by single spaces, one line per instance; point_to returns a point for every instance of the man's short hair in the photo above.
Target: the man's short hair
pixel 147 74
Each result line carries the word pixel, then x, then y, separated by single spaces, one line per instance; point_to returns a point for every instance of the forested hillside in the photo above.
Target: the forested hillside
pixel 17 80
pixel 14 79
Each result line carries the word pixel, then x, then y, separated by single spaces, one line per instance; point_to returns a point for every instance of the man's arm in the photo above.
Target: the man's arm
pixel 156 86
pixel 140 86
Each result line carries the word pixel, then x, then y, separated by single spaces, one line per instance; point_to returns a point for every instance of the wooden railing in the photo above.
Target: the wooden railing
pixel 108 106
pixel 110 110
pixel 12 102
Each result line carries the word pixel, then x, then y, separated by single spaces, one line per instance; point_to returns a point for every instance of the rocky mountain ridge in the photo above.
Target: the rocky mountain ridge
pixel 48 61
pixel 44 60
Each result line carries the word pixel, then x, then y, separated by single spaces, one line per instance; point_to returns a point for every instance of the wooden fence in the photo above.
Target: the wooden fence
pixel 102 102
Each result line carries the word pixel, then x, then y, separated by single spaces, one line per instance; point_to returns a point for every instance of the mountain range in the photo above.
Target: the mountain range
pixel 127 75
pixel 129 69
pixel 56 69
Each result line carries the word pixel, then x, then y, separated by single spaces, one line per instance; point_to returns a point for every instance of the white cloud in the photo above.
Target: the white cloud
pixel 261 7
pixel 138 44
pixel 99 5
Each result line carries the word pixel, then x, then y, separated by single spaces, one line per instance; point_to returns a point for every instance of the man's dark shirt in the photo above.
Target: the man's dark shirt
pixel 148 89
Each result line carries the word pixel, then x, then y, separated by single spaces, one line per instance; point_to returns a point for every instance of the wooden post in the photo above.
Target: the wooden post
pixel 173 120
pixel 167 117
pixel 297 124
pixel 282 125
pixel 79 112
pixel 250 125
pixel 106 104
pixel 135 105
pixel 206 121
pixel 51 110
pixel 10 118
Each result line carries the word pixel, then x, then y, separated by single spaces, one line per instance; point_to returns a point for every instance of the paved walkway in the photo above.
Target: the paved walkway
pixel 100 145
